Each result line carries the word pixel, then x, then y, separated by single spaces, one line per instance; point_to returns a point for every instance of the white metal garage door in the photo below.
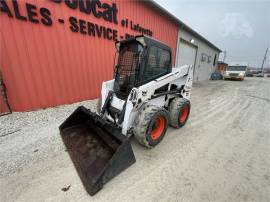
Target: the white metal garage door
pixel 186 54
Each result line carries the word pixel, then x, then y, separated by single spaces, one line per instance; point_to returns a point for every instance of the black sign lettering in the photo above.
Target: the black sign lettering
pixel 100 10
pixel 32 13
pixel 73 4
pixel 4 8
pixel 82 27
pixel 85 6
pixel 17 11
pixel 109 34
pixel 98 30
pixel 115 35
pixel 114 13
pixel 73 24
pixel 57 1
pixel 107 14
pixel 46 14
pixel 105 11
pixel 138 28
pixel 96 12
pixel 91 29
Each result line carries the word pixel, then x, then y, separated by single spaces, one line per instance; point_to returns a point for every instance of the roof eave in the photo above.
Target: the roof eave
pixel 155 5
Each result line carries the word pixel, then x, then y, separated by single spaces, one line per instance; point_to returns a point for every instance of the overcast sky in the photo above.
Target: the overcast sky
pixel 241 27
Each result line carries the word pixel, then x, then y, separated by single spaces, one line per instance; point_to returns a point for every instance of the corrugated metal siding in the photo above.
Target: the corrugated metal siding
pixel 48 66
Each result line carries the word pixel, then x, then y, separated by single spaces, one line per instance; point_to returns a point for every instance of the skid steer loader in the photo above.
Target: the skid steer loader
pixel 145 96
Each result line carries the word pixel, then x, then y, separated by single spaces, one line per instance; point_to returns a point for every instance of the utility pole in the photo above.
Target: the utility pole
pixel 225 55
pixel 264 59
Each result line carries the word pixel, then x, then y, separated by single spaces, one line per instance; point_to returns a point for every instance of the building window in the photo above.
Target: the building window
pixel 204 56
pixel 209 59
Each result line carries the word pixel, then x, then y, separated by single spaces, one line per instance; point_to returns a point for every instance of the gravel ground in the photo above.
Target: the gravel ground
pixel 26 138
pixel 222 154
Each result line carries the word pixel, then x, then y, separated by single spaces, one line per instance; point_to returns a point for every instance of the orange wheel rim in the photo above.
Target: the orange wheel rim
pixel 184 114
pixel 158 128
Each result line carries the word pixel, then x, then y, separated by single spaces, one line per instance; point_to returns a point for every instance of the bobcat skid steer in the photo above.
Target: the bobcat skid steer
pixel 145 96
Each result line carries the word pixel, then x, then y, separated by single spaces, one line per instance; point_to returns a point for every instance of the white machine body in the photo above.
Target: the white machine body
pixel 180 78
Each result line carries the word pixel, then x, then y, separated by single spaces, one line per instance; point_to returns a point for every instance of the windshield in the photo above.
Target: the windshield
pixel 236 68
pixel 126 75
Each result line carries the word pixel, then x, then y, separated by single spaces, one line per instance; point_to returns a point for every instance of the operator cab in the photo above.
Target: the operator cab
pixel 140 60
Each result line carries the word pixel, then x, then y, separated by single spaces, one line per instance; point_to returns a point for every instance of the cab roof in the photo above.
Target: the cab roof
pixel 146 41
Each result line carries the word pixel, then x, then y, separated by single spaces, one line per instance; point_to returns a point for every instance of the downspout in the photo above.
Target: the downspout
pixel 3 90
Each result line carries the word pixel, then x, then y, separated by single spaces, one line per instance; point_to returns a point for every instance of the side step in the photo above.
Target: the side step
pixel 97 148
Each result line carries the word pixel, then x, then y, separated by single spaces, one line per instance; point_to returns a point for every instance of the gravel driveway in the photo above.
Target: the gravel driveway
pixel 222 154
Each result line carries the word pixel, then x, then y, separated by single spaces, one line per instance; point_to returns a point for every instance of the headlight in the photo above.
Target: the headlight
pixel 242 74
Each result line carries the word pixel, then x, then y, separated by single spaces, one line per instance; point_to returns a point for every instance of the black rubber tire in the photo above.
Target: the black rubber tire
pixel 144 123
pixel 99 105
pixel 175 110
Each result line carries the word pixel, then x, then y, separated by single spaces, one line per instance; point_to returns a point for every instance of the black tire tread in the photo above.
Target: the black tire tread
pixel 142 122
pixel 175 106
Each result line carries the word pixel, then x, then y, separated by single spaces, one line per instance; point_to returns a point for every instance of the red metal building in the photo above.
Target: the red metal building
pixel 57 52
pixel 222 67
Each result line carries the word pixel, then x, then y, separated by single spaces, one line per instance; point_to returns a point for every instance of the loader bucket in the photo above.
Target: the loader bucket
pixel 98 149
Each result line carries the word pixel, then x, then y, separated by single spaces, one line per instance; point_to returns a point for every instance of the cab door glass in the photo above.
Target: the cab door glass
pixel 157 65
